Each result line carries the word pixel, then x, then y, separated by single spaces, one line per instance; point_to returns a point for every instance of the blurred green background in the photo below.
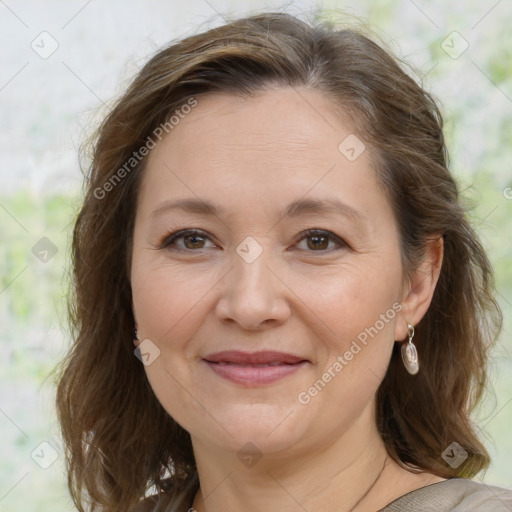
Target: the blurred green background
pixel 49 103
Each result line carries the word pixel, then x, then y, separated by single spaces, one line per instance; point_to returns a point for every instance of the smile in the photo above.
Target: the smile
pixel 254 369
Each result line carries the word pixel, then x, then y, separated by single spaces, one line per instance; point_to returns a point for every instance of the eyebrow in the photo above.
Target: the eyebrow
pixel 294 209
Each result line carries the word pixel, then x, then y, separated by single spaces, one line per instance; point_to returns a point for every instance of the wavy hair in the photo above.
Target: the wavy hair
pixel 116 448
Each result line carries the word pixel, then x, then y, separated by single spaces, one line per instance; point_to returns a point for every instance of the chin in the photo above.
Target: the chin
pixel 270 431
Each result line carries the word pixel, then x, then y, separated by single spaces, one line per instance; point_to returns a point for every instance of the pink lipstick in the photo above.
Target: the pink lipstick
pixel 253 369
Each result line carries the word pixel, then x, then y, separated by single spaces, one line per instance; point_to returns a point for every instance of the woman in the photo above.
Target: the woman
pixel 279 303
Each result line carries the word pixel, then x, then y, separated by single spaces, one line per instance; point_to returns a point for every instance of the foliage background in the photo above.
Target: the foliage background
pixel 48 106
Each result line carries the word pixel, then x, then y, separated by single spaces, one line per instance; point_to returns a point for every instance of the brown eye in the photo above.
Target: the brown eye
pixel 192 240
pixel 318 240
pixel 196 241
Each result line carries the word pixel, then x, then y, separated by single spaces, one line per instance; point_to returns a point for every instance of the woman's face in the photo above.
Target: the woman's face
pixel 258 331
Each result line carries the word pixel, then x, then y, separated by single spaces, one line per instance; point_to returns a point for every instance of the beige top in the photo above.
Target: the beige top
pixel 453 495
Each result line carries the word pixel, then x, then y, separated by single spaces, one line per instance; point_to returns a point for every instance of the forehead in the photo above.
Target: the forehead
pixel 278 144
pixel 280 118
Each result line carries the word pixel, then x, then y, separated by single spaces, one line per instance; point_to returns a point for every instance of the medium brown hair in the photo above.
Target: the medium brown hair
pixel 118 437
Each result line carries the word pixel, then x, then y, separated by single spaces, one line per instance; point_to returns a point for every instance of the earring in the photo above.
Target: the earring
pixel 135 335
pixel 410 354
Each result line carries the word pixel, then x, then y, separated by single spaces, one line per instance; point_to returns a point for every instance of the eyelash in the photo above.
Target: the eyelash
pixel 169 239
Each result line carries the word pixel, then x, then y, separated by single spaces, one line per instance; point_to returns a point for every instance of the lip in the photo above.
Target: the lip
pixel 253 369
pixel 262 357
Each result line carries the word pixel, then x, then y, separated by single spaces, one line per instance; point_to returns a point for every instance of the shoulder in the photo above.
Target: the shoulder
pixel 455 495
pixel 480 497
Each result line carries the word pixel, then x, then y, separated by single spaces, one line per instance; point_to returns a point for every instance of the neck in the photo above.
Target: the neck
pixel 350 474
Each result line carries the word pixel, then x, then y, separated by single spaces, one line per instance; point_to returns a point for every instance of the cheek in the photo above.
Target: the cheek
pixel 351 298
pixel 169 307
pixel 166 302
pixel 358 307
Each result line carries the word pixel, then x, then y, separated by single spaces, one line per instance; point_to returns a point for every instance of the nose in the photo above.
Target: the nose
pixel 255 296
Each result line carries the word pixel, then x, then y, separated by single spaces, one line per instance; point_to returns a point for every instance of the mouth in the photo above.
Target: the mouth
pixel 254 369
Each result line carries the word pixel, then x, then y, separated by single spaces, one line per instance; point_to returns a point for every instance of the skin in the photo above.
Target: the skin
pixel 253 157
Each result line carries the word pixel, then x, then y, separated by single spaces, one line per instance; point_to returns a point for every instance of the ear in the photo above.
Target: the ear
pixel 420 289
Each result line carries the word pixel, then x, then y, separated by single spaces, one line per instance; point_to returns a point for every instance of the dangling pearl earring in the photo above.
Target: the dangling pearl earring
pixel 410 354
pixel 135 335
